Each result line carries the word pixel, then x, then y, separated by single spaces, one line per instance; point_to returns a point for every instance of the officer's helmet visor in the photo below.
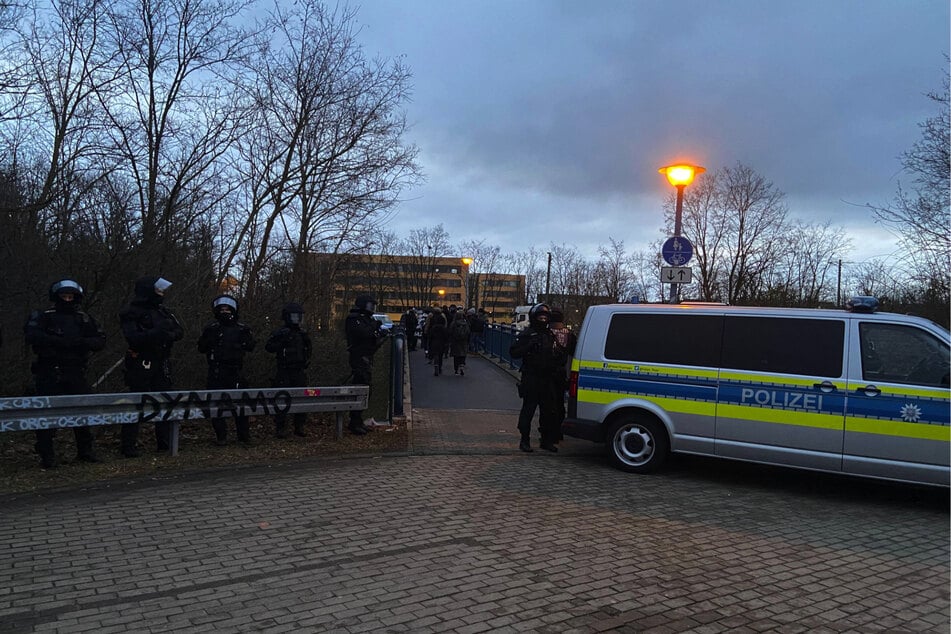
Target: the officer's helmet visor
pixel 226 303
pixel 69 287
pixel 295 318
pixel 161 285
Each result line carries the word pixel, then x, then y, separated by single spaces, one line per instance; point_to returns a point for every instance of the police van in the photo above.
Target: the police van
pixel 848 391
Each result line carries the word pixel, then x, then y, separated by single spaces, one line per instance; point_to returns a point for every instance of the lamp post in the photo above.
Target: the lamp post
pixel 679 175
pixel 465 281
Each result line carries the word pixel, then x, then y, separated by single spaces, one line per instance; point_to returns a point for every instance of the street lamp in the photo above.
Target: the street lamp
pixel 680 175
pixel 465 280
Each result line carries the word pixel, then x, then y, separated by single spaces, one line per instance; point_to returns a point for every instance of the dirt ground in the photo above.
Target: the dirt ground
pixel 20 470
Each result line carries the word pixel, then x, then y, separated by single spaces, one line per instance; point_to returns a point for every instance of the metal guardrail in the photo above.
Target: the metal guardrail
pixel 397 372
pixel 29 413
pixel 498 340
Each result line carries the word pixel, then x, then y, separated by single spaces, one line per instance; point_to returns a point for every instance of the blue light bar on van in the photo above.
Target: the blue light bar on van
pixel 862 304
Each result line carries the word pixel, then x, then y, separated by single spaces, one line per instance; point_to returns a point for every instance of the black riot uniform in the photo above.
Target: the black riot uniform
pixel 224 342
pixel 292 349
pixel 541 359
pixel 62 338
pixel 150 330
pixel 364 336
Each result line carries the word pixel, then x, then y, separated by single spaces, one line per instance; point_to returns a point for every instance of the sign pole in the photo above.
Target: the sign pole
pixel 678 227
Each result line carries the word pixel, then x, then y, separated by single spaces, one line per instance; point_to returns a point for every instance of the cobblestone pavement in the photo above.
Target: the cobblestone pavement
pixel 465 534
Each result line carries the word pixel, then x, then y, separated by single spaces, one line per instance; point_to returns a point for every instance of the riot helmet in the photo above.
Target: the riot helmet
pixel 151 288
pixel 225 308
pixel 66 293
pixel 366 303
pixel 539 314
pixel 292 314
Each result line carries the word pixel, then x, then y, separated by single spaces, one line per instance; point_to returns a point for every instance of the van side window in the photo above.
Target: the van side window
pixel 676 339
pixel 902 354
pixel 811 347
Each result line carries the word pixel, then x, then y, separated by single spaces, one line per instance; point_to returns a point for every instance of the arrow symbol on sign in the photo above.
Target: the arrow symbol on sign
pixel 681 274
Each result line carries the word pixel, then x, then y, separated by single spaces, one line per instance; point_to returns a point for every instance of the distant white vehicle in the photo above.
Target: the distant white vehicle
pixel 520 317
pixel 385 322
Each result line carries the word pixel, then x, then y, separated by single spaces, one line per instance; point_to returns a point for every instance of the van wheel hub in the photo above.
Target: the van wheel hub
pixel 634 445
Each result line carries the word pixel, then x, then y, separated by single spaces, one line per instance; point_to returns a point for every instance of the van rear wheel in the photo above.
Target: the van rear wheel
pixel 638 445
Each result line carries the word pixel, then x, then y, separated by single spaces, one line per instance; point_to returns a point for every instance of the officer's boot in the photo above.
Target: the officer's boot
pixel 525 444
pixel 243 429
pixel 221 431
pixel 128 433
pixel 356 427
pixel 44 447
pixel 84 445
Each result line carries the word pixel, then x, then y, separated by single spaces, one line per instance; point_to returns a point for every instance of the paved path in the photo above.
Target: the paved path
pixel 491 541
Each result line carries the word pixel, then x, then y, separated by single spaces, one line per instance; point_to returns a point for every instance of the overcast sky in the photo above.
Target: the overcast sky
pixel 545 121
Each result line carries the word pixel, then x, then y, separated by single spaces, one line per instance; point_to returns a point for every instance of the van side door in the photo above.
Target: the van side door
pixel 897 419
pixel 782 391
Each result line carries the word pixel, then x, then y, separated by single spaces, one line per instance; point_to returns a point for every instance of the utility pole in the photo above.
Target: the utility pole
pixel 548 281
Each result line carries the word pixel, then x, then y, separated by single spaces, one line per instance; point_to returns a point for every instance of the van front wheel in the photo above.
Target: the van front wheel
pixel 638 446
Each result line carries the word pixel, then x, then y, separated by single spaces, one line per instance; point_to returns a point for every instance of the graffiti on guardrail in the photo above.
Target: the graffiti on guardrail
pixel 182 407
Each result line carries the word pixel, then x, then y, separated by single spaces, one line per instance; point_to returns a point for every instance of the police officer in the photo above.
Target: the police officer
pixel 541 359
pixel 224 342
pixel 364 336
pixel 150 330
pixel 292 349
pixel 62 338
pixel 567 341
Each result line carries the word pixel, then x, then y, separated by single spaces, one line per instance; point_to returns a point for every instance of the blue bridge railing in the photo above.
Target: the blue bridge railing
pixel 498 339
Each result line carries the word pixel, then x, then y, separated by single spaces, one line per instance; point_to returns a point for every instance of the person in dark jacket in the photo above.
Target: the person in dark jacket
pixel 62 338
pixel 292 349
pixel 438 341
pixel 567 341
pixel 459 342
pixel 364 337
pixel 541 360
pixel 409 322
pixel 476 328
pixel 150 330
pixel 225 341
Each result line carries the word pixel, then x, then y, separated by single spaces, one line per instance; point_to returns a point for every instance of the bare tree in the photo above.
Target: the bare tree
pixel 921 214
pixel 324 154
pixel 613 270
pixel 57 70
pixel 423 246
pixel 486 259
pixel 528 264
pixel 173 120
pixel 706 226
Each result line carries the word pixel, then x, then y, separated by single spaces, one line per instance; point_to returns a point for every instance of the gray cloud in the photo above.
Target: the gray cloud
pixel 526 110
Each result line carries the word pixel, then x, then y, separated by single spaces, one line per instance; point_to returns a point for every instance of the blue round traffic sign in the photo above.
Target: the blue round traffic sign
pixel 677 251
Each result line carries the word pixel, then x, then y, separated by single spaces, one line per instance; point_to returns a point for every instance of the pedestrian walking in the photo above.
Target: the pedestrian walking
pixel 409 322
pixel 459 342
pixel 541 358
pixel 292 349
pixel 476 328
pixel 62 337
pixel 364 337
pixel 438 341
pixel 150 329
pixel 225 342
